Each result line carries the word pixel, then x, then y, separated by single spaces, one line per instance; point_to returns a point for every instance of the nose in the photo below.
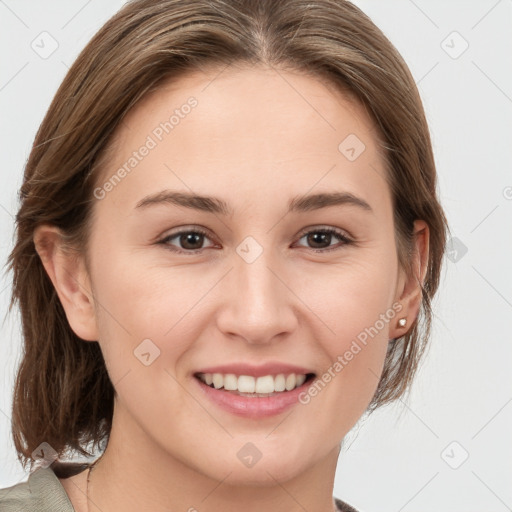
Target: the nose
pixel 259 306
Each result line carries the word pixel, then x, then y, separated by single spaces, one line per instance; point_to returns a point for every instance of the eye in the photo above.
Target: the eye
pixel 190 241
pixel 321 239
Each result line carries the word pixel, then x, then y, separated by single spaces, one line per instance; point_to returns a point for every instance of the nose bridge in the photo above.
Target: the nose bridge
pixel 258 306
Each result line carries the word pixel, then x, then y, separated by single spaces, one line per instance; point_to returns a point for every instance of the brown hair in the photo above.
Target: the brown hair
pixel 63 394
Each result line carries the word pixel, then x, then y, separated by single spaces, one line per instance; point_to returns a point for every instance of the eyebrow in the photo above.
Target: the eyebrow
pixel 303 203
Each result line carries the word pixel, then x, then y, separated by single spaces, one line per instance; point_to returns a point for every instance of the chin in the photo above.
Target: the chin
pixel 266 467
pixel 263 474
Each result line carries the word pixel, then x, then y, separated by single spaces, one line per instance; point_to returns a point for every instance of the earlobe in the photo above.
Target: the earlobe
pixel 410 293
pixel 67 271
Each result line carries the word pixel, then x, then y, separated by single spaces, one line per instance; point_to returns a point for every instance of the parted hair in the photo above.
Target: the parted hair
pixel 62 393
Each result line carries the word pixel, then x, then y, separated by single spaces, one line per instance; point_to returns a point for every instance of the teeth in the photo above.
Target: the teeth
pixel 249 384
pixel 279 383
pixel 230 382
pixel 246 384
pixel 265 384
pixel 291 380
pixel 218 380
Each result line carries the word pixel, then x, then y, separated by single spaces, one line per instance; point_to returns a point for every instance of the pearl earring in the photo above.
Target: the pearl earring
pixel 402 322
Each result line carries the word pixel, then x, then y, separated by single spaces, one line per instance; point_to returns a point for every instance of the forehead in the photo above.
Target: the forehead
pixel 232 128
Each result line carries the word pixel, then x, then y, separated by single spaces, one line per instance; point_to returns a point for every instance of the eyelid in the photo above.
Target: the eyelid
pixel 338 231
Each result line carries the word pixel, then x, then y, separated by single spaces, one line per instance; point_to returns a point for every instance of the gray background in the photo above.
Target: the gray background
pixel 411 455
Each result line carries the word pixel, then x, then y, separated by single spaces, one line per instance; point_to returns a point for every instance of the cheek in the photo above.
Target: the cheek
pixel 353 302
pixel 351 296
pixel 141 333
pixel 355 306
pixel 135 308
pixel 144 298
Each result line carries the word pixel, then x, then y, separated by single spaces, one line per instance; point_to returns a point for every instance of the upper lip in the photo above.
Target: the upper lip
pixel 273 368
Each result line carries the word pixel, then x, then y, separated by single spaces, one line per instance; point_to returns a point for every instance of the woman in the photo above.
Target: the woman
pixel 228 242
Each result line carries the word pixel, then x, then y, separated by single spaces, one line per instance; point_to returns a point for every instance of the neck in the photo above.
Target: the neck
pixel 138 477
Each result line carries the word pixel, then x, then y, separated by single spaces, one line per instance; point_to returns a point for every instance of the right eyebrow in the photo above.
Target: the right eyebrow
pixel 188 200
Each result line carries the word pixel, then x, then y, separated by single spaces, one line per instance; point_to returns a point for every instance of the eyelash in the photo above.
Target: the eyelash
pixel 328 230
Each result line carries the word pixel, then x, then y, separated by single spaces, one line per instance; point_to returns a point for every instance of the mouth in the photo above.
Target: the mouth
pixel 255 387
pixel 254 391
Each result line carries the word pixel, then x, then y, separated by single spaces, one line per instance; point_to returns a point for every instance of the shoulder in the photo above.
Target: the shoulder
pixel 343 507
pixel 42 491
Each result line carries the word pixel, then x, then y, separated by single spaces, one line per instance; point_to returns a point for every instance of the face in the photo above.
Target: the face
pixel 290 267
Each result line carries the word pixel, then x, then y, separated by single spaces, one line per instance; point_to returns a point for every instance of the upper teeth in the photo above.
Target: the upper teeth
pixel 250 384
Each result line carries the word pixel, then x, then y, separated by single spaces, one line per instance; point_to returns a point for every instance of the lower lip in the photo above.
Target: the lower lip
pixel 253 407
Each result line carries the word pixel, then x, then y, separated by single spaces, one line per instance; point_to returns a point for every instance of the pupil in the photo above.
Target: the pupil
pixel 320 238
pixel 189 239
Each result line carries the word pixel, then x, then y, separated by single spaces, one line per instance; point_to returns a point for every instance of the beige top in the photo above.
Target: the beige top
pixel 43 492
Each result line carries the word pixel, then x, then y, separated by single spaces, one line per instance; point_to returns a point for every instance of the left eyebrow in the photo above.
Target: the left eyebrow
pixel 210 204
pixel 310 202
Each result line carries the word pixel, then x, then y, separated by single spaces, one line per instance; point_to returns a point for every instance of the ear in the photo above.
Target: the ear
pixel 70 278
pixel 409 287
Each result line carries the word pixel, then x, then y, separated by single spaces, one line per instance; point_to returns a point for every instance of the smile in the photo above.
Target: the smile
pixel 253 397
pixel 247 385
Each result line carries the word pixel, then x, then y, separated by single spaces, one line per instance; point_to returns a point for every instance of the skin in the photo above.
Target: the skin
pixel 256 139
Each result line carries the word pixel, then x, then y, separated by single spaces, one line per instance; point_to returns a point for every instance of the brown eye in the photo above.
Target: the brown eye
pixel 321 239
pixel 318 239
pixel 189 241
